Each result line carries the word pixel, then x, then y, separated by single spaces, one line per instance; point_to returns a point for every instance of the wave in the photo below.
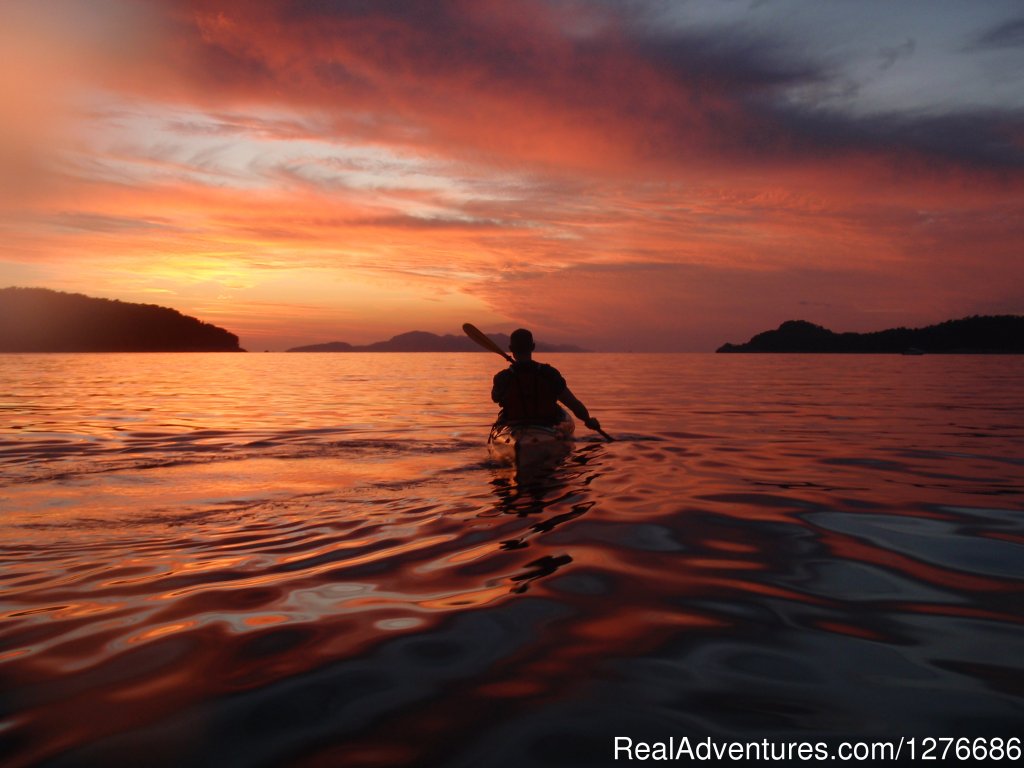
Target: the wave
pixel 299 593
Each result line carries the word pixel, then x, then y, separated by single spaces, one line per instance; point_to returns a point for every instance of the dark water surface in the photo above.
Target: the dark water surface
pixel 306 559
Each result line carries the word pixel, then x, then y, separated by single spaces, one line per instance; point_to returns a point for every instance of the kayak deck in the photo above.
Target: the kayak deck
pixel 524 444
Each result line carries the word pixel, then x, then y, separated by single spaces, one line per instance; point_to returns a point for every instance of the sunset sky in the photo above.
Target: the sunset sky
pixel 621 175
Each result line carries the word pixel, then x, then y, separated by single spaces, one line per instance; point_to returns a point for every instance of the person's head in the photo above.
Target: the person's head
pixel 520 344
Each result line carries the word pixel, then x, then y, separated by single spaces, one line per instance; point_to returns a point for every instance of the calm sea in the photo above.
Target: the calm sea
pixel 303 559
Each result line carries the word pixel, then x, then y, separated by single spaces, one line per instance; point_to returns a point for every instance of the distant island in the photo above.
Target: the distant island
pixel 999 334
pixel 421 341
pixel 41 320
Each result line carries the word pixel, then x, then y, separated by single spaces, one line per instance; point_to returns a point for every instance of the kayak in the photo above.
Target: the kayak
pixel 523 444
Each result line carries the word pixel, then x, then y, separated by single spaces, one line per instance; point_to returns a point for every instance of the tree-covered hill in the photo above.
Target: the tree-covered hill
pixel 41 320
pixel 1000 334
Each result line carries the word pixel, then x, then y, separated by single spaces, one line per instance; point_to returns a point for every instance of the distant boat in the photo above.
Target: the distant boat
pixel 913 351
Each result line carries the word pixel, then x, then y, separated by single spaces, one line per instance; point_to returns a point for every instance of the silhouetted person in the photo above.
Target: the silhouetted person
pixel 528 391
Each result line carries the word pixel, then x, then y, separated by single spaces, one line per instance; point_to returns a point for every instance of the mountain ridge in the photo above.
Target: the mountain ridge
pixel 977 334
pixel 424 341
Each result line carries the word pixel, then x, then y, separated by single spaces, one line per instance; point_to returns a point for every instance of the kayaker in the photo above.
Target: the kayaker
pixel 528 391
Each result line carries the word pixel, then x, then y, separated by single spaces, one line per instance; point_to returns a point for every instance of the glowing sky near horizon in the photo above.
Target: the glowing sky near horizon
pixel 623 175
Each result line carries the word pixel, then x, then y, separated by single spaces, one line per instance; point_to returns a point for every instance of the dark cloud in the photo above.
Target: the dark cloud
pixel 727 60
pixel 439 37
pixel 422 12
pixel 1009 34
pixel 891 54
pixel 489 80
pixel 983 140
pixel 753 73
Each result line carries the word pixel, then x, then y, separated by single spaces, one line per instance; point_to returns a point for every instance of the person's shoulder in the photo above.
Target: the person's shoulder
pixel 550 371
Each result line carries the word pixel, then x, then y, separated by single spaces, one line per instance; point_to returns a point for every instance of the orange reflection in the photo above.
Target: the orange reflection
pixel 266 620
pixel 154 633
pixel 243 577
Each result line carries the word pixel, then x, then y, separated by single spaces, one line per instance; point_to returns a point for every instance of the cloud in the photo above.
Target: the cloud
pixel 1009 34
pixel 537 155
pixel 92 222
pixel 717 61
pixel 891 54
pixel 549 86
pixel 984 141
pixel 486 84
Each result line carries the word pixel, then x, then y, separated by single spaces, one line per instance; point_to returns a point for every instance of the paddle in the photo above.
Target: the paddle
pixel 483 340
pixel 487 343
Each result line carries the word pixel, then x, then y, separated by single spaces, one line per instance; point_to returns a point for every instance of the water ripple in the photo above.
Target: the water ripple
pixel 748 560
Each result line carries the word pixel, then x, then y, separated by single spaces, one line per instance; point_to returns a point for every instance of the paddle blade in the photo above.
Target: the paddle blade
pixel 483 340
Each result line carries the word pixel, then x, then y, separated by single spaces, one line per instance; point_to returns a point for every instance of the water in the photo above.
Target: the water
pixel 271 559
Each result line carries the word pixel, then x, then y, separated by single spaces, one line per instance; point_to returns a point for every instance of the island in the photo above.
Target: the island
pixel 994 334
pixel 422 341
pixel 42 320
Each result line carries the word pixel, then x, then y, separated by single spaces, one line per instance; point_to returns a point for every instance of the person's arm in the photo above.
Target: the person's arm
pixel 579 409
pixel 499 386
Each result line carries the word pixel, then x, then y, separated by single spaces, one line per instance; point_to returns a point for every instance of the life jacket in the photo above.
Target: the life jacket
pixel 531 393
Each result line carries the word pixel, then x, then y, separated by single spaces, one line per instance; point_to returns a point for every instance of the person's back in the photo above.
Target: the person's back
pixel 528 391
